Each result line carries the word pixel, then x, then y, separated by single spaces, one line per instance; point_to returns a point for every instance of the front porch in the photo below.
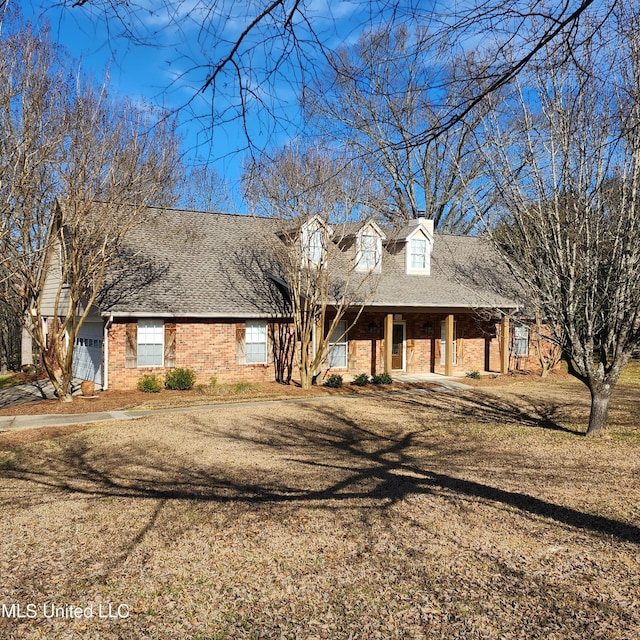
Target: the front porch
pixel 445 342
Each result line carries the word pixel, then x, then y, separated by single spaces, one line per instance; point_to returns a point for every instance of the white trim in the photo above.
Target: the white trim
pixel 161 343
pixel 343 340
pixel 262 326
pixel 418 234
pixel 105 354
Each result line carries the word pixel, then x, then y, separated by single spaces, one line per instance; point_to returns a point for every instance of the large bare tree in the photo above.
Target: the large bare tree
pixel 564 157
pixel 315 199
pixel 377 96
pixel 77 170
pixel 248 59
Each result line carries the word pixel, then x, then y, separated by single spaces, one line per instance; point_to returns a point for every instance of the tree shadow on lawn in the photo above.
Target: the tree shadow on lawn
pixel 493 409
pixel 321 459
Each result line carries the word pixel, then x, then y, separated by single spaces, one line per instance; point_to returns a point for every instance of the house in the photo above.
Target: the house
pixel 201 290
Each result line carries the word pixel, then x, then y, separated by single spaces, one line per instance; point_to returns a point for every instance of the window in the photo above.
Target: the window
pixel 338 347
pixel 521 340
pixel 150 343
pixel 418 254
pixel 256 342
pixel 369 253
pixel 315 248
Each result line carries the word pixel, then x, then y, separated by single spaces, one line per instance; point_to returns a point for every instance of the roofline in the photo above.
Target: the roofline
pixel 164 314
pixel 465 307
pixel 377 305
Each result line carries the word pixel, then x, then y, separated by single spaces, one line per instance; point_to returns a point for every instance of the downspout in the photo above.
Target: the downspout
pixel 105 353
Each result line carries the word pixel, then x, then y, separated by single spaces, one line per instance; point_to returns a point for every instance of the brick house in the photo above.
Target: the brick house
pixel 198 290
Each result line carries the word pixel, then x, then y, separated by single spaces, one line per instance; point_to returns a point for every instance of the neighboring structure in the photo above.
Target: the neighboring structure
pixel 200 290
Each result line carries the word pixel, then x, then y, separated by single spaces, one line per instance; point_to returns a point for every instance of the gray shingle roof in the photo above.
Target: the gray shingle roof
pixel 189 263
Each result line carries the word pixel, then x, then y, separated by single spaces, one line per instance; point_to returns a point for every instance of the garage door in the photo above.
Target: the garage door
pixel 87 353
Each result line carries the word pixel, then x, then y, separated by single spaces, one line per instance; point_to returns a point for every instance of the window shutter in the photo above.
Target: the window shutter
pixel 240 343
pixel 131 345
pixel 170 344
pixel 271 330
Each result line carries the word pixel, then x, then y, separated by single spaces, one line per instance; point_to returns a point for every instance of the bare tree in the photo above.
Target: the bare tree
pixel 247 59
pixel 205 190
pixel 564 157
pixel 315 200
pixel 376 97
pixel 77 170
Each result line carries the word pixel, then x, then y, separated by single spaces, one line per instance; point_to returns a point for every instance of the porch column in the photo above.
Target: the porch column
pixel 504 344
pixel 448 344
pixel 388 342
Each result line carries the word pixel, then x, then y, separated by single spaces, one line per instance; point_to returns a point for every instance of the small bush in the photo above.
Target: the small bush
pixel 149 383
pixel 381 378
pixel 179 379
pixel 473 374
pixel 242 387
pixel 361 380
pixel 213 382
pixel 334 382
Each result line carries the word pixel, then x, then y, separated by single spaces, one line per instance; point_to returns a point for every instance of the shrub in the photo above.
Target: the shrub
pixel 149 383
pixel 361 380
pixel 475 374
pixel 179 379
pixel 213 382
pixel 242 387
pixel 381 378
pixel 334 382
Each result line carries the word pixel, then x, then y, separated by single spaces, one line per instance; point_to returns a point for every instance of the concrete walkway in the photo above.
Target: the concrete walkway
pixel 13 423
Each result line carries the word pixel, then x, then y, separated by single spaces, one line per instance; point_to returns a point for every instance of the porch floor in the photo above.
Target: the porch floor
pixel 447 382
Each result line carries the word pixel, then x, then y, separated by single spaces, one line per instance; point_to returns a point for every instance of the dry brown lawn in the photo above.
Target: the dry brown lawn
pixel 482 514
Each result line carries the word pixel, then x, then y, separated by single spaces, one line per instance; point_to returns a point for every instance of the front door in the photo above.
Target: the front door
pixel 397 347
pixel 443 342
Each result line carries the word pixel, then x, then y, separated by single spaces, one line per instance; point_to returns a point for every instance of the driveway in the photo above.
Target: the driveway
pixel 23 393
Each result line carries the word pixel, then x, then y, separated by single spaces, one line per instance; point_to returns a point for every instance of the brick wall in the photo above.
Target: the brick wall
pixel 209 348
pixel 477 344
pixel 206 346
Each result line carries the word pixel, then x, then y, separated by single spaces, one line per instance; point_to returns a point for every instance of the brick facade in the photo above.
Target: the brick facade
pixel 206 346
pixel 477 345
pixel 209 347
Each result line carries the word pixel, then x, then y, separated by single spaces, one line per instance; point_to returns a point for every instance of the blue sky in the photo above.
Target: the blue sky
pixel 168 68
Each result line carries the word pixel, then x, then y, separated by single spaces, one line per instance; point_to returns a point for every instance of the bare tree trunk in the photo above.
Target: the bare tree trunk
pixel 600 396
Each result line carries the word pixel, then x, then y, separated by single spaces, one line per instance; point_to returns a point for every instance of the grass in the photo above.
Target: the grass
pixel 485 514
pixel 8 380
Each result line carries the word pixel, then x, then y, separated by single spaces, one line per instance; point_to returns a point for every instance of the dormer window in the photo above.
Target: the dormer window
pixel 315 247
pixel 369 253
pixel 369 247
pixel 313 241
pixel 419 244
pixel 418 254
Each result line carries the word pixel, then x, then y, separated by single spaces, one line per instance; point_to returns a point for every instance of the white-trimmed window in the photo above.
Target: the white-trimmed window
pixel 338 347
pixel 419 259
pixel 256 342
pixel 369 253
pixel 150 343
pixel 520 340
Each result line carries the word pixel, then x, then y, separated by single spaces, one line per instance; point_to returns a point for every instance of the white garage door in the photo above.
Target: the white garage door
pixel 87 353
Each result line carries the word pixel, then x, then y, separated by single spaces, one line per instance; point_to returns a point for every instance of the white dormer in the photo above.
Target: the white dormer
pixel 369 248
pixel 418 248
pixel 314 237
